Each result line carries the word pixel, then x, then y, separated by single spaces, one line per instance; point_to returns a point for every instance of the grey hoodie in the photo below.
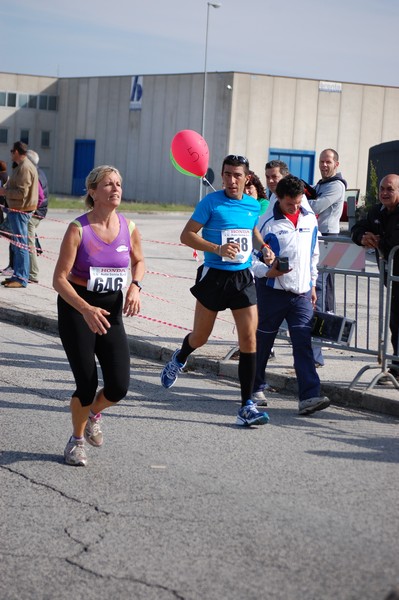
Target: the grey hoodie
pixel 329 203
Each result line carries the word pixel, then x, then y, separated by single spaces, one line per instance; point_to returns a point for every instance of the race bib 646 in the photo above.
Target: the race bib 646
pixel 107 279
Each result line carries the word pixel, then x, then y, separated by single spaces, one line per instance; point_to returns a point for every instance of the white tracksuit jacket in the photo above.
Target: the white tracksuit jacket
pixel 299 244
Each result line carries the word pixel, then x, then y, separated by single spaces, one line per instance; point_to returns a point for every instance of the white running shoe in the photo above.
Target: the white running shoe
pixel 311 405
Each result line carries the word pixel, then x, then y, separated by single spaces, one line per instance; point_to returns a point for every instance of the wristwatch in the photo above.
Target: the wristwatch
pixel 135 282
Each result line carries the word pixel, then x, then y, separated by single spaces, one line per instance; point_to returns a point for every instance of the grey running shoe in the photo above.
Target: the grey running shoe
pixel 75 454
pixel 171 370
pixel 249 415
pixel 259 398
pixel 311 405
pixel 8 271
pixel 93 433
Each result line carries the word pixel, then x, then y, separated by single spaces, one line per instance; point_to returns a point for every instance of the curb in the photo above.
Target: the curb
pixel 338 394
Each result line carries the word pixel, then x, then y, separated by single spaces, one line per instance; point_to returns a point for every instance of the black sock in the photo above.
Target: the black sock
pixel 246 374
pixel 185 350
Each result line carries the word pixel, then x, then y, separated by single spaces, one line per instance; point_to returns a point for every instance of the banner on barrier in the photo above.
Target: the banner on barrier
pixel 341 255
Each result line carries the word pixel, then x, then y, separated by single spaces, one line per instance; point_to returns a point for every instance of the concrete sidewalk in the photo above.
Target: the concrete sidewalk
pixel 168 310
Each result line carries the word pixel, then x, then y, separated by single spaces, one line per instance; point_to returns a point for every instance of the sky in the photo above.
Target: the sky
pixel 336 40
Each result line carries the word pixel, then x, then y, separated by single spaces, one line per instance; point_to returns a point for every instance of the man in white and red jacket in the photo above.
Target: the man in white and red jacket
pixel 290 294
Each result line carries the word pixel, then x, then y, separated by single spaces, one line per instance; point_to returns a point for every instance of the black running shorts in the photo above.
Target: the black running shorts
pixel 218 290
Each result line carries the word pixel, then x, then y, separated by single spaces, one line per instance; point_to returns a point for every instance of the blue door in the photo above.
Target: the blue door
pixel 83 162
pixel 300 162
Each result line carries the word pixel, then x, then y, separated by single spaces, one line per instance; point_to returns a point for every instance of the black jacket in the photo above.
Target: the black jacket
pixel 384 224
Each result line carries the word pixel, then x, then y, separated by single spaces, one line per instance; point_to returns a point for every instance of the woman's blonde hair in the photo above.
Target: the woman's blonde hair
pixel 94 178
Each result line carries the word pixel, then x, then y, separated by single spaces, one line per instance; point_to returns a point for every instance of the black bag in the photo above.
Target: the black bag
pixel 309 191
pixel 332 327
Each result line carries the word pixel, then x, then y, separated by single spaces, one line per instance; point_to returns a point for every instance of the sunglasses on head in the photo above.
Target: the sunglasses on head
pixel 241 159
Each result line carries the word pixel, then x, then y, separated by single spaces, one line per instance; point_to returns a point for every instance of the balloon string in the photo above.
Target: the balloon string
pixel 209 183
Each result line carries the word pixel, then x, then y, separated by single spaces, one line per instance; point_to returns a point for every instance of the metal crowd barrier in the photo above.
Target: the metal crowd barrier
pixel 360 295
pixel 357 296
pixel 386 280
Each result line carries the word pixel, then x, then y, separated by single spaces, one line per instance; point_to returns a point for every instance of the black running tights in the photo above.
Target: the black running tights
pixel 82 346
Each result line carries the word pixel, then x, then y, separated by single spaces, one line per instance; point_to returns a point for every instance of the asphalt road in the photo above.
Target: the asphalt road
pixel 167 314
pixel 181 504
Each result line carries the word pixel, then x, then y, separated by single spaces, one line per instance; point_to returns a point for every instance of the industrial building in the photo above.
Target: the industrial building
pixel 129 121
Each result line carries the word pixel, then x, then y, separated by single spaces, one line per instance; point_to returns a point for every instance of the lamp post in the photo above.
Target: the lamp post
pixel 214 5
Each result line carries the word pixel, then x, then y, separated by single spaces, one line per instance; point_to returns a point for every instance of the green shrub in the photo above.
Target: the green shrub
pixel 74 203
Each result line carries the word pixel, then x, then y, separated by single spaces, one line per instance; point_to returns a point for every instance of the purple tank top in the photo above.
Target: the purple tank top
pixel 94 252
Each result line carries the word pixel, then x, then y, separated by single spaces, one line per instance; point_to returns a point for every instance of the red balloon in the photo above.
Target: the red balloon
pixel 190 152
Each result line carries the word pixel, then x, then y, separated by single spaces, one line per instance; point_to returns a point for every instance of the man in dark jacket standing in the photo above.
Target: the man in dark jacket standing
pixel 380 230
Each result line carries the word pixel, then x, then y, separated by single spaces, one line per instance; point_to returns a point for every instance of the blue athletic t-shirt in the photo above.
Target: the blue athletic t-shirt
pixel 236 218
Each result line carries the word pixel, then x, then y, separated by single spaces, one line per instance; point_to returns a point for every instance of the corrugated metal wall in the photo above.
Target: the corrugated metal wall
pixel 245 114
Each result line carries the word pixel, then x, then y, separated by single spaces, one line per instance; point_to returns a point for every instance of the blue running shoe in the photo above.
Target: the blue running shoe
pixel 249 415
pixel 171 370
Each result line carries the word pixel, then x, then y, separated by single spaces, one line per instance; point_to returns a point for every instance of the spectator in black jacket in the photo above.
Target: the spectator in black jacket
pixel 380 230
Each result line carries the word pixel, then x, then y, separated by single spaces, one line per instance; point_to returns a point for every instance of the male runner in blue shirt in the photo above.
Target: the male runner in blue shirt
pixel 228 220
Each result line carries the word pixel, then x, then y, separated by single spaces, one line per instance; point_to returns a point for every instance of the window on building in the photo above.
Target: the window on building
pixel 22 100
pixel 52 103
pixel 25 100
pixel 3 136
pixel 11 99
pixel 45 143
pixel 43 99
pixel 32 101
pixel 24 137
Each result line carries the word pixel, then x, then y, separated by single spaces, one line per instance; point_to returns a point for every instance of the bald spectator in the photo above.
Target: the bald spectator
pixel 330 192
pixel 380 230
pixel 328 206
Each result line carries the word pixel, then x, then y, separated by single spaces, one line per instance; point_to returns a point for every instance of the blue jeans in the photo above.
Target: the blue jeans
pixel 19 225
pixel 325 301
pixel 273 307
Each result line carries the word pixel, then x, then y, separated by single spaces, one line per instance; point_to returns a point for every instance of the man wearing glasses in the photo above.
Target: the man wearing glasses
pixel 228 220
pixel 380 231
pixel 21 194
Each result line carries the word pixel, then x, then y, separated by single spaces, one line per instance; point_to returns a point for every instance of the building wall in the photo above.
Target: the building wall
pixel 245 114
pixel 288 113
pixel 138 141
pixel 35 120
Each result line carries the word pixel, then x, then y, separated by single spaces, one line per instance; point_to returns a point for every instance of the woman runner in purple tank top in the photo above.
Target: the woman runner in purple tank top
pixel 99 256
